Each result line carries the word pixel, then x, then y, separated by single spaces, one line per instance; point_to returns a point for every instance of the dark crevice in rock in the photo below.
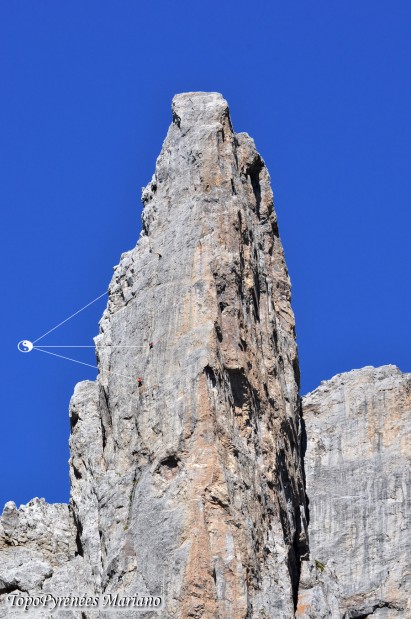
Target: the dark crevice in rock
pixel 294 568
pixel 76 472
pixel 74 417
pixel 105 412
pixel 296 369
pixel 103 434
pixel 144 225
pixel 360 614
pixel 218 331
pixel 210 375
pixel 255 305
pixel 242 344
pixel 240 220
pixel 303 452
pixel 79 532
pixel 227 120
pixel 291 493
pixel 239 386
pixel 170 462
pixel 4 590
pixel 214 576
pixel 254 173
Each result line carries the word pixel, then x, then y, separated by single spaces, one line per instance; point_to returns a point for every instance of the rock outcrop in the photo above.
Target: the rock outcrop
pixel 39 553
pixel 186 475
pixel 186 463
pixel 358 472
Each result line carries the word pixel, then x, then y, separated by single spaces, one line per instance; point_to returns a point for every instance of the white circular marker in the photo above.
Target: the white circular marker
pixel 25 346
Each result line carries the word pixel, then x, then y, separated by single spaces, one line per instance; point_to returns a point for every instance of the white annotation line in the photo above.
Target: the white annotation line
pixel 95 367
pixel 70 317
pixel 96 346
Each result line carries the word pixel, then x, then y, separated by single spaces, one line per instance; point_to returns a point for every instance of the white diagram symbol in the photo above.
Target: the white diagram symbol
pixel 25 346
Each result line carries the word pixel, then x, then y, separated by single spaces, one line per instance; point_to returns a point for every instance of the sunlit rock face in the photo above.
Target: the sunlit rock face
pixel 195 473
pixel 39 554
pixel 185 458
pixel 358 482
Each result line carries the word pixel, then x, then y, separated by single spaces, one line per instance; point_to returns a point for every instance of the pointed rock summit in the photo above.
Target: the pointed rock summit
pixel 194 474
pixel 186 477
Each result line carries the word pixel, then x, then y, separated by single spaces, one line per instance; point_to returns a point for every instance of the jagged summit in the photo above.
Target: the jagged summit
pixel 192 108
pixel 377 373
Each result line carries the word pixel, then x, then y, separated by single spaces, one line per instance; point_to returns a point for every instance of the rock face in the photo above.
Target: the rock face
pixel 39 553
pixel 186 467
pixel 358 475
pixel 318 593
pixel 34 540
pixel 185 453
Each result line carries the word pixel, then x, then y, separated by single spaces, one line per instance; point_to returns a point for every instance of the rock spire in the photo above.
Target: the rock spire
pixel 185 465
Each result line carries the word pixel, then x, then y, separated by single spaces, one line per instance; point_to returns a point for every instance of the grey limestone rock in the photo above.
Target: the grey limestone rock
pixel 358 471
pixel 190 484
pixel 186 461
pixel 186 475
pixel 318 592
pixel 38 553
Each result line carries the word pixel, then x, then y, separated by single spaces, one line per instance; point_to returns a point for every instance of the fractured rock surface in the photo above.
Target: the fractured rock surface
pixel 358 481
pixel 39 554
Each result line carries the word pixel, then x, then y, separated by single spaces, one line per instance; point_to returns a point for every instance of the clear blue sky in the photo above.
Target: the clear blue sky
pixel 324 89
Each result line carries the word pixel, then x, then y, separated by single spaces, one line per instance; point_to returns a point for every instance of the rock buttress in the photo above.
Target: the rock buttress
pixel 359 487
pixel 188 482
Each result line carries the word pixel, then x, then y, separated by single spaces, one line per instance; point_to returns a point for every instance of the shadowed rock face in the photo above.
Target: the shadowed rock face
pixel 189 481
pixel 358 481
